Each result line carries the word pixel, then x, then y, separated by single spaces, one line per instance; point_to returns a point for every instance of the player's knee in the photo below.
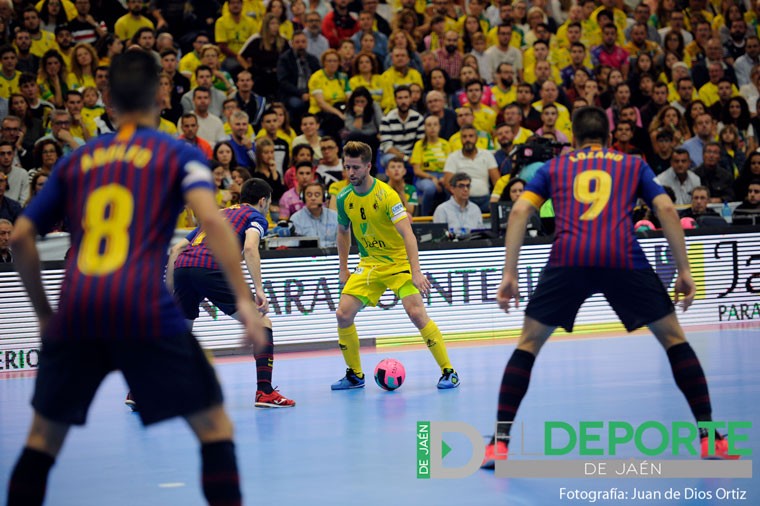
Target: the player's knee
pixel 345 316
pixel 417 315
pixel 212 425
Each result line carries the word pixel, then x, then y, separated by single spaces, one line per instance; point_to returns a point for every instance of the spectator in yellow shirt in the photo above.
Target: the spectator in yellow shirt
pixel 127 25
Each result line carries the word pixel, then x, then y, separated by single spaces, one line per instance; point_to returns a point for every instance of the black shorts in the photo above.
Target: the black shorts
pixel 169 376
pixel 637 296
pixel 193 284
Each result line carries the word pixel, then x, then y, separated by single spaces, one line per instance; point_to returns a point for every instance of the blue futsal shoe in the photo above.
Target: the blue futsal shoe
pixel 450 379
pixel 349 381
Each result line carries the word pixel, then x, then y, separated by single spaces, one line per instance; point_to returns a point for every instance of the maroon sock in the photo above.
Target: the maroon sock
pixel 264 363
pixel 221 483
pixel 514 385
pixel 29 478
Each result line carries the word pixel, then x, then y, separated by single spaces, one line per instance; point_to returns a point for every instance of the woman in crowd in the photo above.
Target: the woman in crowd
pixel 367 74
pixel 327 93
pixel 52 78
pixel 670 119
pixel 363 117
pixel 84 61
pixel 224 154
pixel 428 159
pixel 31 126
pixel 266 169
pixel 260 54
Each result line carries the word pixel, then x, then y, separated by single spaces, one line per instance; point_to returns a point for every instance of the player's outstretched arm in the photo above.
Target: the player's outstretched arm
pixel 344 246
pixel 253 262
pixel 27 260
pixel 518 222
pixel 226 249
pixel 685 287
pixel 421 282
pixel 174 252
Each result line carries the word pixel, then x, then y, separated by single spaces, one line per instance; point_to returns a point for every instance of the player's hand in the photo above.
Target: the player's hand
pixel 685 289
pixel 343 277
pixel 508 290
pixel 262 303
pixel 421 282
pixel 248 315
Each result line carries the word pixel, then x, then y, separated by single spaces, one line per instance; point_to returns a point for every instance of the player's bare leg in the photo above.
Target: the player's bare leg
pixel 431 335
pixel 514 386
pixel 348 340
pixel 213 428
pixel 690 378
pixel 29 478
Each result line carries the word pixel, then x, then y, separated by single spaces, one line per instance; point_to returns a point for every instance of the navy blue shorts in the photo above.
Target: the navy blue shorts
pixel 193 284
pixel 637 296
pixel 169 376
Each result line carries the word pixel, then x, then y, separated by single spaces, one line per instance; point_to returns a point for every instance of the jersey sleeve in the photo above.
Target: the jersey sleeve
pixel 538 190
pixel 340 207
pixel 649 188
pixel 394 208
pixel 259 223
pixel 194 170
pixel 47 208
pixel 192 235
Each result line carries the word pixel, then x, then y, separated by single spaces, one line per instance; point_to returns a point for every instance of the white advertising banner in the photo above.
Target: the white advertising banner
pixel 303 293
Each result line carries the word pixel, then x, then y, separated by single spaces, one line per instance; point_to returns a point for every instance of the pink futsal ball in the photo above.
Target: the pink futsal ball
pixel 389 374
pixel 688 223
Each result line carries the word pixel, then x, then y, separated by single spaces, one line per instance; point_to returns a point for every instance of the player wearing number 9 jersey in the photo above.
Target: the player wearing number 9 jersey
pixel 121 194
pixel 594 190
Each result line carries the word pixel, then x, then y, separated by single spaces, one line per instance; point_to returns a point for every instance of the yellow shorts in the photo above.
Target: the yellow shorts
pixel 369 282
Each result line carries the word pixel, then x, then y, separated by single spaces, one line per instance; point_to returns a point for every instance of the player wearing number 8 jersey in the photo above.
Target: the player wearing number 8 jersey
pixel 594 191
pixel 122 194
pixel 389 259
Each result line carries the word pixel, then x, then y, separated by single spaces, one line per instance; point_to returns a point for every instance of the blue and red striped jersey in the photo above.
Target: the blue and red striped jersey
pixel 122 194
pixel 594 192
pixel 242 218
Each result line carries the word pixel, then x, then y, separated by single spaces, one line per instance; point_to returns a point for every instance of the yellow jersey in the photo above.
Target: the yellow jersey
pixel 126 26
pixel 374 86
pixel 392 78
pixel 45 43
pixel 373 217
pixel 76 83
pixel 234 34
pixel 252 9
pixel 8 86
pixel 492 39
pixel 90 114
pixel 333 90
pixel 189 63
pixel 485 118
pixel 504 98
pixel 431 157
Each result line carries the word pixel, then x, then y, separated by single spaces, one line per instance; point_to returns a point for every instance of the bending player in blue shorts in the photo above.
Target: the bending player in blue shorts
pixel 192 275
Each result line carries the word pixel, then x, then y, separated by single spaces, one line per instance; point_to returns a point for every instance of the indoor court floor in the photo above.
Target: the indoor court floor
pixel 359 447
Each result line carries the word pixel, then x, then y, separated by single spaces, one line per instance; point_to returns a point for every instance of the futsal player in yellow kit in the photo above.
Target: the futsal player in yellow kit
pixel 389 259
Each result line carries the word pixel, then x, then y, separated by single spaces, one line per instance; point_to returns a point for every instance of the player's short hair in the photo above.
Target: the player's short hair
pixel 400 88
pixel 254 190
pixel 201 89
pixel 239 115
pixel 591 124
pixel 133 78
pixel 681 151
pixel 356 149
pixel 8 49
pixel 26 78
pixel 304 163
pixel 268 112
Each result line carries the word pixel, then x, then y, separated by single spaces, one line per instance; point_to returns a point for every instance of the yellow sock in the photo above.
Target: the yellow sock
pixel 348 340
pixel 434 341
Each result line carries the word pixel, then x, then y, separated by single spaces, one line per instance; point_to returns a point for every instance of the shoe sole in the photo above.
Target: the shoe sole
pixel 132 405
pixel 273 405
pixel 352 387
pixel 489 464
pixel 453 386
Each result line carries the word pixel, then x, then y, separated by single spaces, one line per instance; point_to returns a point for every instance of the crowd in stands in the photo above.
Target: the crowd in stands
pixel 441 90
